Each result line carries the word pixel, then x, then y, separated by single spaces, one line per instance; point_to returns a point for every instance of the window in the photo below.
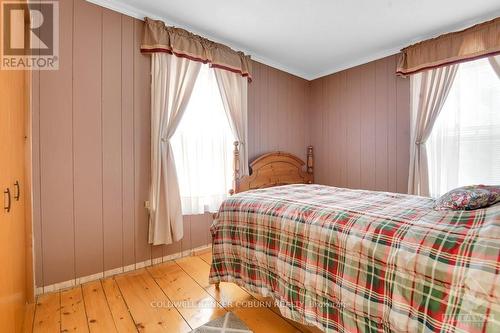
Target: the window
pixel 464 146
pixel 202 148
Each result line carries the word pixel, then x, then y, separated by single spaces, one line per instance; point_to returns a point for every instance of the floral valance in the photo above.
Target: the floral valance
pixel 161 38
pixel 481 40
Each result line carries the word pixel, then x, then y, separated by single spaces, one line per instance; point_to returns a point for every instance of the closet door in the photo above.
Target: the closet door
pixel 7 312
pixel 13 95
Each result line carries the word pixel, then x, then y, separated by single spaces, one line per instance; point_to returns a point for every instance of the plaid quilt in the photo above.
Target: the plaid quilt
pixel 362 261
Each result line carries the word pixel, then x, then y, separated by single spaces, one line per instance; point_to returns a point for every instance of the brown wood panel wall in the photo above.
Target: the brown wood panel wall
pixel 91 132
pixel 277 119
pixel 359 127
pixel 55 152
pixel 87 138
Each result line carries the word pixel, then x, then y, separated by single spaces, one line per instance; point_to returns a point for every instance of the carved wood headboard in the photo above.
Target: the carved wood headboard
pixel 273 169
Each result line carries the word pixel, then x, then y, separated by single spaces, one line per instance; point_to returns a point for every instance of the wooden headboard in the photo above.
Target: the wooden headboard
pixel 272 169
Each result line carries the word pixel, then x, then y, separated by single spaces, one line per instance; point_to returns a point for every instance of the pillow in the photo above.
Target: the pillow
pixel 469 198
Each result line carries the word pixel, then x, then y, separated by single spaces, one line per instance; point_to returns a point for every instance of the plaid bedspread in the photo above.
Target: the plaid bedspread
pixel 362 261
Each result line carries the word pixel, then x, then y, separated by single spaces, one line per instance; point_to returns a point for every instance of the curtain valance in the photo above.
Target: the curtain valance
pixel 481 40
pixel 161 38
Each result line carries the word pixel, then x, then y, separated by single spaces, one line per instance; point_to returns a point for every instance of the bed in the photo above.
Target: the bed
pixel 353 260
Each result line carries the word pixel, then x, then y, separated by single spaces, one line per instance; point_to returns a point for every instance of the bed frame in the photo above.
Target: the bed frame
pixel 272 169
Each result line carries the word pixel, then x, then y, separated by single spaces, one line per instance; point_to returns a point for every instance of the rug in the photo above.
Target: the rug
pixel 228 323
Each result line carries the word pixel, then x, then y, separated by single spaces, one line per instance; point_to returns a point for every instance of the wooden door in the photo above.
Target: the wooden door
pixel 13 110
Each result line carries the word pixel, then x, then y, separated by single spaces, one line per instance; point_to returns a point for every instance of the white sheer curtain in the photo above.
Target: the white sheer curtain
pixel 464 147
pixel 233 89
pixel 173 80
pixel 203 148
pixel 429 90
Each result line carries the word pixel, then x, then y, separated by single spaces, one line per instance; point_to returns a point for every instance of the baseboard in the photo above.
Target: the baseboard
pixel 81 280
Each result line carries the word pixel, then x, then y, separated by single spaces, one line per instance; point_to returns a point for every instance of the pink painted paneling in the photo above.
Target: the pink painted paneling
pixel 37 227
pixel 368 129
pixel 127 148
pixel 173 248
pixel 186 238
pixel 391 125
pixel 112 140
pixel 359 126
pixel 381 125
pixel 198 227
pixel 142 137
pixel 93 169
pixel 55 225
pixel 87 138
pixel 277 116
pixel 402 133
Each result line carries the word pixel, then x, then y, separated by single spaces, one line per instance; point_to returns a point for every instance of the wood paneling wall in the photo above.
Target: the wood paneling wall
pixel 91 141
pixel 359 126
pixel 278 118
pixel 91 144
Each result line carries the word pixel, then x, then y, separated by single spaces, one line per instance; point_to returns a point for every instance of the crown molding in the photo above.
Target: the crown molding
pixel 132 11
pixel 396 49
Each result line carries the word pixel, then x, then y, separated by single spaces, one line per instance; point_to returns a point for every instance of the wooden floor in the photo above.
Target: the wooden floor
pixel 170 297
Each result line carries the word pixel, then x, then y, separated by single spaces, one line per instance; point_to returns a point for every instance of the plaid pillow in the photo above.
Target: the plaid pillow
pixel 469 198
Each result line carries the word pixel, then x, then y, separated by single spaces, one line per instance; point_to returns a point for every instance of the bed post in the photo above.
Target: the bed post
pixel 310 162
pixel 236 168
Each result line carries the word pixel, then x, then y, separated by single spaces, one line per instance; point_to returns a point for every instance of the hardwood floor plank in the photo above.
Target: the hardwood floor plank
pixel 48 313
pixel 268 301
pixel 192 301
pixel 29 317
pixel 73 316
pixel 262 320
pixel 121 315
pixel 99 316
pixel 206 257
pixel 229 295
pixel 196 268
pixel 148 305
pixel 170 297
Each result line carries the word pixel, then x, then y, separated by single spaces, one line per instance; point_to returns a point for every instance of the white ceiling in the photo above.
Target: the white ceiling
pixel 313 38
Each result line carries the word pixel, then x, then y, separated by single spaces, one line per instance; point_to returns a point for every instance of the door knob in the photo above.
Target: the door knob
pixel 7 200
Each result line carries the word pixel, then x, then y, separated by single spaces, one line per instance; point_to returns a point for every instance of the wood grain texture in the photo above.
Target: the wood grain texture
pixel 272 169
pixel 73 315
pixel 359 127
pixel 48 313
pixel 118 307
pixel 29 317
pixel 228 295
pixel 99 316
pixel 163 298
pixel 141 292
pixel 195 305
pixel 13 223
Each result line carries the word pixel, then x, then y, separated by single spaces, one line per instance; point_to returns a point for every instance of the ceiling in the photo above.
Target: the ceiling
pixel 313 38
